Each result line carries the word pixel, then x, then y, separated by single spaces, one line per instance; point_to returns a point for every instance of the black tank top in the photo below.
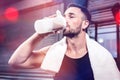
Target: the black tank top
pixel 75 69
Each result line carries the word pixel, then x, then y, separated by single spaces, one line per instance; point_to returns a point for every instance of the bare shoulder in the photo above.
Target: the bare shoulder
pixel 40 54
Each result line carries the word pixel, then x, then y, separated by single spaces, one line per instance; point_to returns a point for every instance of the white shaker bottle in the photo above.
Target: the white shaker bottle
pixel 50 24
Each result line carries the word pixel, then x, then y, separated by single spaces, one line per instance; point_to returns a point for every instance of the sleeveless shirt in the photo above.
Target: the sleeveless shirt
pixel 75 69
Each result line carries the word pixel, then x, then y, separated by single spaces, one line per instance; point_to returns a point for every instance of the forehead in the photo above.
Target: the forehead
pixel 74 10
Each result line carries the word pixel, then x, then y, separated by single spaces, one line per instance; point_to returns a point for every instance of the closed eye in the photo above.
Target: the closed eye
pixel 70 15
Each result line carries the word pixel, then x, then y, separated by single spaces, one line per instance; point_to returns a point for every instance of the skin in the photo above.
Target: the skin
pixel 25 56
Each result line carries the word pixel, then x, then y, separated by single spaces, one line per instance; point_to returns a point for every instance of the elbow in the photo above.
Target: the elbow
pixel 11 63
pixel 16 64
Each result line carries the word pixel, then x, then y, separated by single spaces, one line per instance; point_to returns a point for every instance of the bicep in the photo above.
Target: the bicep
pixel 35 59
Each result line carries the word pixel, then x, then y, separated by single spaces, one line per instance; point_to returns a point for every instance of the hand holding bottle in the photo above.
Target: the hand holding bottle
pixel 48 24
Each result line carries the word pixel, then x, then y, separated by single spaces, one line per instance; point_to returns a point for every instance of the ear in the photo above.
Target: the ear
pixel 85 24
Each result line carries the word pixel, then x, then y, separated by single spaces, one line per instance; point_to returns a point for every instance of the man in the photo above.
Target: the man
pixel 84 59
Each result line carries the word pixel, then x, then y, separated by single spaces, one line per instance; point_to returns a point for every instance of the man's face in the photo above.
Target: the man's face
pixel 74 19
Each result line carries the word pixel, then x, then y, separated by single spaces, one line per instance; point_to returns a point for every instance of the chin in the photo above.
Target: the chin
pixel 70 35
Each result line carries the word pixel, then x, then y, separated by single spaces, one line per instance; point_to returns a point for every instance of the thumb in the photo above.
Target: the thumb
pixel 58 13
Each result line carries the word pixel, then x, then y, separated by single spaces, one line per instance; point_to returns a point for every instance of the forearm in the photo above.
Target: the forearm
pixel 24 51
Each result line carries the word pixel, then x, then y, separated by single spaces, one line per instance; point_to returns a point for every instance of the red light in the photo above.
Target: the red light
pixel 118 17
pixel 11 14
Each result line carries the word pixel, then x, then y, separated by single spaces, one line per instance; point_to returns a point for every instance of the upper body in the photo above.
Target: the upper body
pixel 77 21
pixel 25 56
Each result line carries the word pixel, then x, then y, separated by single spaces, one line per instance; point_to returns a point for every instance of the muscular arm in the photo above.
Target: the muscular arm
pixel 25 57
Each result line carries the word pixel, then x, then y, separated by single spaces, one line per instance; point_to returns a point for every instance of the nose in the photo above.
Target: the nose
pixel 67 20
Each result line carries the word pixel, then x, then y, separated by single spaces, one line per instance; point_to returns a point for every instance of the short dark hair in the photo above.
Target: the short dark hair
pixel 83 9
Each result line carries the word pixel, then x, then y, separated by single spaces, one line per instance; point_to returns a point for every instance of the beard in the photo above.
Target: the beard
pixel 71 33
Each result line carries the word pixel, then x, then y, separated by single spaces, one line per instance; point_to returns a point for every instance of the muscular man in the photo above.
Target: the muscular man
pixel 78 62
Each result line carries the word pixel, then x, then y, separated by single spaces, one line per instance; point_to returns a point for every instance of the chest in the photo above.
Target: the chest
pixel 76 69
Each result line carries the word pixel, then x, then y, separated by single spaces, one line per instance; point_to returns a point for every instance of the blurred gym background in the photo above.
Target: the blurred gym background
pixel 17 19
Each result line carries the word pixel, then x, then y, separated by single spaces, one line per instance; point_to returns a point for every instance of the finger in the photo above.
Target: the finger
pixel 52 16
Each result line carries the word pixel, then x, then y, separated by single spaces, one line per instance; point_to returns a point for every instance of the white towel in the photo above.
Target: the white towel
pixel 102 63
pixel 54 56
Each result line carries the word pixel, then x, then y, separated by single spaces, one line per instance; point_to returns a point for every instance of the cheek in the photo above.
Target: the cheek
pixel 76 23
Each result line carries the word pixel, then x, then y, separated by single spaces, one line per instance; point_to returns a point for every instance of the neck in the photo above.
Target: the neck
pixel 77 44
